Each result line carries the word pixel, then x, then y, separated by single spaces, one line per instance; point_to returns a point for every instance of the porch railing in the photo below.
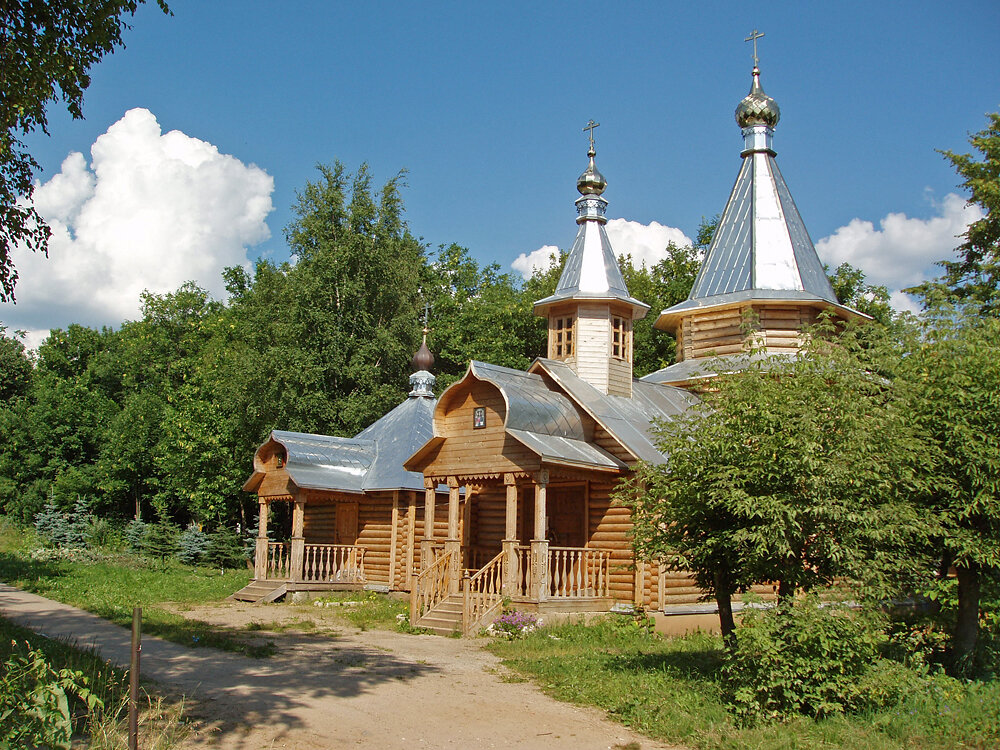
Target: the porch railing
pixel 337 563
pixel 431 587
pixel 279 561
pixel 579 572
pixel 334 563
pixel 482 593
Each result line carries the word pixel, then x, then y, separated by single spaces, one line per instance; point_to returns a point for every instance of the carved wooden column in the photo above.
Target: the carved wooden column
pixel 540 544
pixel 427 543
pixel 260 555
pixel 453 544
pixel 298 538
pixel 511 573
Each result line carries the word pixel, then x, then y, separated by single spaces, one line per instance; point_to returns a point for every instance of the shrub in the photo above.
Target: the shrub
pixel 803 658
pixel 192 545
pixel 225 549
pixel 103 534
pixel 135 536
pixel 160 540
pixel 36 699
pixel 62 529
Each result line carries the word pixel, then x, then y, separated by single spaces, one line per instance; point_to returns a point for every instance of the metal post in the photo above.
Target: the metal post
pixel 133 680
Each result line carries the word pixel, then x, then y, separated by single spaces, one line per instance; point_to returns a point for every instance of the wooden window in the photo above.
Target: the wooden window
pixel 562 337
pixel 620 329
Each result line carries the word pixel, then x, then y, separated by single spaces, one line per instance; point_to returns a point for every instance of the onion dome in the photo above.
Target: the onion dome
pixel 423 359
pixel 421 381
pixel 591 182
pixel 757 108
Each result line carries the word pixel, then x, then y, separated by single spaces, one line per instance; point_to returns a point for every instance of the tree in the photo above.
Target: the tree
pixel 852 290
pixel 953 378
pixel 793 471
pixel 975 276
pixel 47 48
pixel 15 367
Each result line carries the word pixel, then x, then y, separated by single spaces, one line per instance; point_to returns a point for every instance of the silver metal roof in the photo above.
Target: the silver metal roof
pixel 761 249
pixel 629 420
pixel 591 270
pixel 372 460
pixel 696 369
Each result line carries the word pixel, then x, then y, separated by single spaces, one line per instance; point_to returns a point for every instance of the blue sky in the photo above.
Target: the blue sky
pixel 483 104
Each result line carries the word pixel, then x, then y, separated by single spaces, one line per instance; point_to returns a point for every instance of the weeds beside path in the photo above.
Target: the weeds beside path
pixel 373 688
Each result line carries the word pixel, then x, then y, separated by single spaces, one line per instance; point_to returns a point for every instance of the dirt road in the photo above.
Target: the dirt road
pixel 373 689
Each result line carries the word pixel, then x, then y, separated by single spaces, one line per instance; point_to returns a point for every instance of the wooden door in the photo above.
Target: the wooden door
pixel 347 523
pixel 565 509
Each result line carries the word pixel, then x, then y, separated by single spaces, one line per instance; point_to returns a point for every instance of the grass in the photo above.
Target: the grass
pixel 161 724
pixel 113 584
pixel 668 689
pixel 369 610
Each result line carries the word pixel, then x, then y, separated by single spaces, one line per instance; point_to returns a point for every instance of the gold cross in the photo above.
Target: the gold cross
pixel 590 126
pixel 754 36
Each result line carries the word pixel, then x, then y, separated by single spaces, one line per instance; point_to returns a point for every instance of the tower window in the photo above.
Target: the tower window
pixel 561 344
pixel 620 329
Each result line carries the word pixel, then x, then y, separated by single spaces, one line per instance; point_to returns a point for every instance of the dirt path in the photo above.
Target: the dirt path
pixel 374 689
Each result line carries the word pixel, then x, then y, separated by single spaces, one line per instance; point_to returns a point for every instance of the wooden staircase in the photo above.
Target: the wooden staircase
pixel 445 617
pixel 261 591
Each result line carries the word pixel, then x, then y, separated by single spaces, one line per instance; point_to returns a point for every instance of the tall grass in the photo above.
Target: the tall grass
pixel 669 689
pixel 161 724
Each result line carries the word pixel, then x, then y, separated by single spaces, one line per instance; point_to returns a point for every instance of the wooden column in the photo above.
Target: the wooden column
pixel 393 539
pixel 260 555
pixel 465 528
pixel 453 544
pixel 510 574
pixel 411 536
pixel 427 543
pixel 540 544
pixel 298 538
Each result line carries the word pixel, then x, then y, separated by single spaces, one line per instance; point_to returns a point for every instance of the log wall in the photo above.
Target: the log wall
pixel 609 529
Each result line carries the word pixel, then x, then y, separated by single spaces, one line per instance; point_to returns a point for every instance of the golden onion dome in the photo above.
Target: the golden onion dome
pixel 757 108
pixel 591 182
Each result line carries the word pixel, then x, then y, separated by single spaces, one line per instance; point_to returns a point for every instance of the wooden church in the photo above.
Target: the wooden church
pixel 517 468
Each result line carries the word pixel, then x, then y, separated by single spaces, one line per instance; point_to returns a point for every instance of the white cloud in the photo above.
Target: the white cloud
pixel 903 251
pixel 645 242
pixel 153 210
pixel 538 260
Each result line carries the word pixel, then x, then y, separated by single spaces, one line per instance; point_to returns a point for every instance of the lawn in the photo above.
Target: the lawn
pixel 668 689
pixel 111 585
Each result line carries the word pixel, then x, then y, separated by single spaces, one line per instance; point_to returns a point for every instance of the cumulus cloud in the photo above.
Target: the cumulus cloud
pixel 902 251
pixel 646 243
pixel 152 211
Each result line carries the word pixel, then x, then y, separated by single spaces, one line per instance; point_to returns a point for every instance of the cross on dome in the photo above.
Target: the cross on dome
pixel 754 36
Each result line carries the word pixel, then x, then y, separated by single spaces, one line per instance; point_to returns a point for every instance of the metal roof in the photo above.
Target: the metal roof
pixel 629 420
pixel 373 460
pixel 696 369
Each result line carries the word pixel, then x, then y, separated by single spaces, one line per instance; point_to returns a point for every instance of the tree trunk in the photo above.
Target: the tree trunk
pixel 786 590
pixel 724 602
pixel 967 624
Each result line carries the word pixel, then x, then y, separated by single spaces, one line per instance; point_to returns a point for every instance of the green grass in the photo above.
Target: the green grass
pixel 368 610
pixel 161 722
pixel 668 689
pixel 111 586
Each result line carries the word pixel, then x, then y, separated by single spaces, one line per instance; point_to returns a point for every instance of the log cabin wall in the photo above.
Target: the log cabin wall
pixel 320 520
pixel 781 326
pixel 610 525
pixel 489 449
pixel 374 534
pixel 489 523
pixel 713 333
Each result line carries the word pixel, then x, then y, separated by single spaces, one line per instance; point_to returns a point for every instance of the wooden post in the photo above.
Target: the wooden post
pixel 298 538
pixel 427 543
pixel 411 534
pixel 465 528
pixel 510 578
pixel 133 680
pixel 453 544
pixel 540 543
pixel 260 554
pixel 393 539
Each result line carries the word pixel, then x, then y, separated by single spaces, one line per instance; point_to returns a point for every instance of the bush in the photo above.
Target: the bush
pixel 192 545
pixel 103 534
pixel 513 624
pixel 805 658
pixel 225 549
pixel 36 701
pixel 61 529
pixel 135 536
pixel 160 540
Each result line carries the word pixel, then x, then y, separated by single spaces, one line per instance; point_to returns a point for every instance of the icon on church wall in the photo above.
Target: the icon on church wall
pixel 479 417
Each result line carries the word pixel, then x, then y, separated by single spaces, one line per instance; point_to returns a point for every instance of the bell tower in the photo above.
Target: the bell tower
pixel 590 314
